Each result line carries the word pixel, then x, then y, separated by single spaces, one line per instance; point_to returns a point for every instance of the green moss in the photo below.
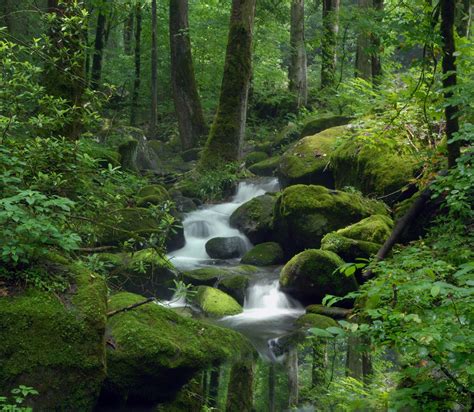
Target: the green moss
pixel 128 154
pixel 56 345
pixel 255 157
pixel 376 229
pixel 307 161
pixel 266 167
pixel 373 170
pixel 331 311
pixel 321 123
pixel 209 276
pixel 313 274
pixel 216 303
pixel 304 214
pixel 312 320
pixel 348 249
pixel 240 392
pixel 254 218
pixel 265 254
pixel 235 286
pixel 156 348
pixel 153 190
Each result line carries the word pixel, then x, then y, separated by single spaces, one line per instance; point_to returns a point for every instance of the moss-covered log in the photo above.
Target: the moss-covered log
pixel 227 133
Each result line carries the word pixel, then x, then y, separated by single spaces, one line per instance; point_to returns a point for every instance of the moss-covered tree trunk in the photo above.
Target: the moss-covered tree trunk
pixel 297 72
pixel 363 63
pixel 449 78
pixel 96 72
pixel 137 58
pixel 187 103
pixel 225 139
pixel 128 32
pixel 240 392
pixel 328 47
pixel 320 363
pixel 271 387
pixel 292 368
pixel 154 72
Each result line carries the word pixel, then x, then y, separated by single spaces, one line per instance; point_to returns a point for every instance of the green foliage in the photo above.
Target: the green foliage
pixel 219 183
pixel 19 396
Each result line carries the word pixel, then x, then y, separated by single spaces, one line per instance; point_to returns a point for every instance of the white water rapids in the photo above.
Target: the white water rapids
pixel 268 312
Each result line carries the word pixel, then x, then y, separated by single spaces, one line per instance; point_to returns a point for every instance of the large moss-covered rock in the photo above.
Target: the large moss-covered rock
pixel 360 240
pixel 321 123
pixel 373 170
pixel 307 161
pixel 152 195
pixel 55 344
pixel 304 214
pixel 255 157
pixel 235 286
pixel 267 167
pixel 215 303
pixel 156 351
pixel 328 311
pixel 254 218
pixel 312 320
pixel 264 254
pixel 312 274
pixel 210 276
pixel 146 272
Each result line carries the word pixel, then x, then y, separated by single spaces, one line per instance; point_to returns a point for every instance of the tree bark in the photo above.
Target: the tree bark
pixel 328 47
pixel 191 123
pixel 376 45
pixel 292 367
pixel 320 363
pixel 225 140
pixel 363 59
pixel 297 72
pixel 128 33
pixel 449 78
pixel 214 386
pixel 6 10
pixel 154 72
pixel 137 79
pixel 96 71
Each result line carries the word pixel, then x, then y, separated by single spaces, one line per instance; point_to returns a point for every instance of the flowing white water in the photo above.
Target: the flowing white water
pixel 268 312
pixel 213 221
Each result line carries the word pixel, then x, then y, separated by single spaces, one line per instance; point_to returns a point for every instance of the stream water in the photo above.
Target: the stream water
pixel 268 312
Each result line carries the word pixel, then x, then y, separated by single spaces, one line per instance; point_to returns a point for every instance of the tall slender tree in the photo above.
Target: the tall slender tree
pixel 187 103
pixel 137 59
pixel 128 26
pixel 330 30
pixel 376 60
pixel 450 78
pixel 363 63
pixel 96 71
pixel 154 72
pixel 227 133
pixel 297 72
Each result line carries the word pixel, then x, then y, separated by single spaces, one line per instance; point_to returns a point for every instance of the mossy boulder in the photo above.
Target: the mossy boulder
pixel 255 157
pixel 55 343
pixel 155 351
pixel 254 218
pixel 267 167
pixel 321 123
pixel 146 272
pixel 360 240
pixel 307 161
pixel 312 274
pixel 331 311
pixel 128 154
pixel 264 254
pixel 209 276
pixel 216 303
pixel 304 214
pixel 312 320
pixel 373 170
pixel 235 286
pixel 152 195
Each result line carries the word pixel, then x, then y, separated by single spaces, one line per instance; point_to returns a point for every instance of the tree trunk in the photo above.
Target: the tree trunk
pixel 154 72
pixel 363 58
pixel 6 10
pixel 271 387
pixel 214 386
pixel 225 140
pixel 96 72
pixel 240 392
pixel 128 33
pixel 292 367
pixel 137 80
pixel 376 45
pixel 319 366
pixel 187 104
pixel 297 72
pixel 449 78
pixel 328 47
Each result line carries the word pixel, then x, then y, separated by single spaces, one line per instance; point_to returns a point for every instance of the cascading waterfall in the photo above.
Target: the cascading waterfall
pixel 268 312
